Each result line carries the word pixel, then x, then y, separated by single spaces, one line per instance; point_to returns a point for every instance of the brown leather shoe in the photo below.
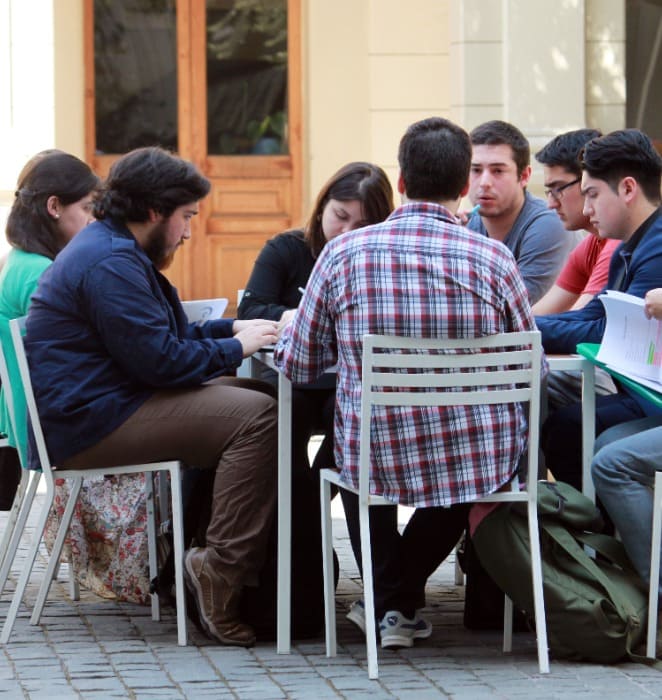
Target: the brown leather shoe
pixel 216 600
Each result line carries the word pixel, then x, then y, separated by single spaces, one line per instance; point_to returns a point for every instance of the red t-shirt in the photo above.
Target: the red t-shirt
pixel 587 268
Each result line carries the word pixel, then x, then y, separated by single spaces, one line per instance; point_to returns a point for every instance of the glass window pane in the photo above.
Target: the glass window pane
pixel 644 66
pixel 135 72
pixel 247 77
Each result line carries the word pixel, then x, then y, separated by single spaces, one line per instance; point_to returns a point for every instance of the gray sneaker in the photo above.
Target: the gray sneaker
pixel 356 614
pixel 397 631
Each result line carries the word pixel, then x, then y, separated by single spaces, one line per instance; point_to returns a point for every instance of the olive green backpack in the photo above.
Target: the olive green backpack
pixel 595 607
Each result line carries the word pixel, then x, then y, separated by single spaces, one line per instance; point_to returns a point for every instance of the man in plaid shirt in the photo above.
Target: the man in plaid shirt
pixel 421 274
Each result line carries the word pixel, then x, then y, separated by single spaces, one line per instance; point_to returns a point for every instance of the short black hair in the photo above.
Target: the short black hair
pixel 497 133
pixel 625 153
pixel 147 179
pixel 564 149
pixel 434 157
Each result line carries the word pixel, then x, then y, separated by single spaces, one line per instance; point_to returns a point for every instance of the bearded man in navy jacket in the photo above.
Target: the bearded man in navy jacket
pixel 121 377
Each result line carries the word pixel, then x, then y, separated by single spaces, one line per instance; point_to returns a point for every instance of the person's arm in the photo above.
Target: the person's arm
pixel 119 298
pixel 272 288
pixel 582 300
pixel 307 346
pixel 653 304
pixel 561 333
pixel 555 301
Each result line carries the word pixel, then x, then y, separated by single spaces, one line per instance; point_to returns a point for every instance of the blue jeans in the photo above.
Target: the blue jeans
pixel 627 457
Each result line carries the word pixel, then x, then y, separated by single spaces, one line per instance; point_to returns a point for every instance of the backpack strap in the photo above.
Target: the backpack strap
pixel 608 547
pixel 566 540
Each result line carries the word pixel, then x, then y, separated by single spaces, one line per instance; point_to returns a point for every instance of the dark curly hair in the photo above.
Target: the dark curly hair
pixel 148 179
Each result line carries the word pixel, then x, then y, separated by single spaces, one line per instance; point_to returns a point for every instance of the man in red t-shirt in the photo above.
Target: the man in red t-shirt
pixel 587 268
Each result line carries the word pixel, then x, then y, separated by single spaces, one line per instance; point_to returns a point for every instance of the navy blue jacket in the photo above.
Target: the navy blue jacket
pixel 634 272
pixel 105 331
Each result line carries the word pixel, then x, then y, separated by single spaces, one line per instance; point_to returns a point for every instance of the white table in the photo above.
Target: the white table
pixel 559 363
pixel 284 583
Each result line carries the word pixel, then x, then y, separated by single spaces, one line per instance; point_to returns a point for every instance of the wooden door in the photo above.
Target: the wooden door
pixel 253 196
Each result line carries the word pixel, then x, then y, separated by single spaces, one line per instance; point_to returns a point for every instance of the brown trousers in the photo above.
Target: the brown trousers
pixel 229 425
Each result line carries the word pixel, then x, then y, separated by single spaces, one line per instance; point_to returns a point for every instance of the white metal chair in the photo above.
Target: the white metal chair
pixel 76 477
pixel 654 586
pixel 25 493
pixel 505 369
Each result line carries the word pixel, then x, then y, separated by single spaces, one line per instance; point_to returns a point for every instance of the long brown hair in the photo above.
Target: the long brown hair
pixel 360 181
pixel 49 173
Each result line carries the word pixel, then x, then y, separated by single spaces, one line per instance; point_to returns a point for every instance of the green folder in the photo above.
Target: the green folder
pixel 590 352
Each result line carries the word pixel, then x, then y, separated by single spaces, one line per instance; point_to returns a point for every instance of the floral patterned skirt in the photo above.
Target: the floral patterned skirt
pixel 107 541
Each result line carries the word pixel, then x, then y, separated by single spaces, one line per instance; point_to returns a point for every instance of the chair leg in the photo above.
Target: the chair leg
pixel 178 546
pixel 538 598
pixel 368 591
pixel 27 568
pixel 151 541
pixel 654 585
pixel 507 624
pixel 19 528
pixel 13 513
pixel 74 588
pixel 56 553
pixel 327 568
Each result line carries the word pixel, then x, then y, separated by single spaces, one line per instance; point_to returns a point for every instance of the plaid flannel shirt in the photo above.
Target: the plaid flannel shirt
pixel 417 274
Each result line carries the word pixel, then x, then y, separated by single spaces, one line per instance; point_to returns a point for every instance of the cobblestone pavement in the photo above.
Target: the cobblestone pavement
pixel 96 648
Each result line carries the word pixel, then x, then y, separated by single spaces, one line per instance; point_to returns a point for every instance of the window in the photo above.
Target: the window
pixel 643 67
pixel 246 77
pixel 135 74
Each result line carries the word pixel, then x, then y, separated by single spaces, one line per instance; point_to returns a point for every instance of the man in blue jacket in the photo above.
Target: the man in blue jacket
pixel 121 377
pixel 621 186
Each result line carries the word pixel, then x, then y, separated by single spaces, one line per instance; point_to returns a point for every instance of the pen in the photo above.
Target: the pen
pixel 474 210
pixel 301 289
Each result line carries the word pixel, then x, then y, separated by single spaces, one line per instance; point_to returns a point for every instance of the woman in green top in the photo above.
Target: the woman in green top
pixel 108 532
pixel 53 203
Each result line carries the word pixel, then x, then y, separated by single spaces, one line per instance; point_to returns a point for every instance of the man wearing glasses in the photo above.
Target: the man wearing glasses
pixel 500 173
pixel 586 271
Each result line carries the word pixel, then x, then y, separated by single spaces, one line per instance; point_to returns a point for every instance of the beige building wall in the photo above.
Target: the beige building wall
pixel 41 85
pixel 546 71
pixel 370 68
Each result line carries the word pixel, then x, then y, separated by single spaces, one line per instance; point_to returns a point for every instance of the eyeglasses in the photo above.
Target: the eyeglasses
pixel 557 192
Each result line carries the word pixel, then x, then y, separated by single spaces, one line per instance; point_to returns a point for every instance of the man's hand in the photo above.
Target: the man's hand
pixel 653 304
pixel 287 316
pixel 255 334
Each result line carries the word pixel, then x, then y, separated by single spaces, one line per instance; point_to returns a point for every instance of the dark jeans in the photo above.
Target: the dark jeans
pixel 312 414
pixel 402 563
pixel 561 438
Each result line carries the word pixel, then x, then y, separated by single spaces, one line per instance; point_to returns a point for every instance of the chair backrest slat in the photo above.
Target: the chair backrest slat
pixel 437 372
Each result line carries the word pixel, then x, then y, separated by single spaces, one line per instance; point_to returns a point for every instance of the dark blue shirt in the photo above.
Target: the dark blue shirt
pixel 105 331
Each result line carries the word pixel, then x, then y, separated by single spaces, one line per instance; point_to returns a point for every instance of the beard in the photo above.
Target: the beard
pixel 156 248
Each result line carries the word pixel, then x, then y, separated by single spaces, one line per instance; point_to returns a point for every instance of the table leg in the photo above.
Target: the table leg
pixel 283 632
